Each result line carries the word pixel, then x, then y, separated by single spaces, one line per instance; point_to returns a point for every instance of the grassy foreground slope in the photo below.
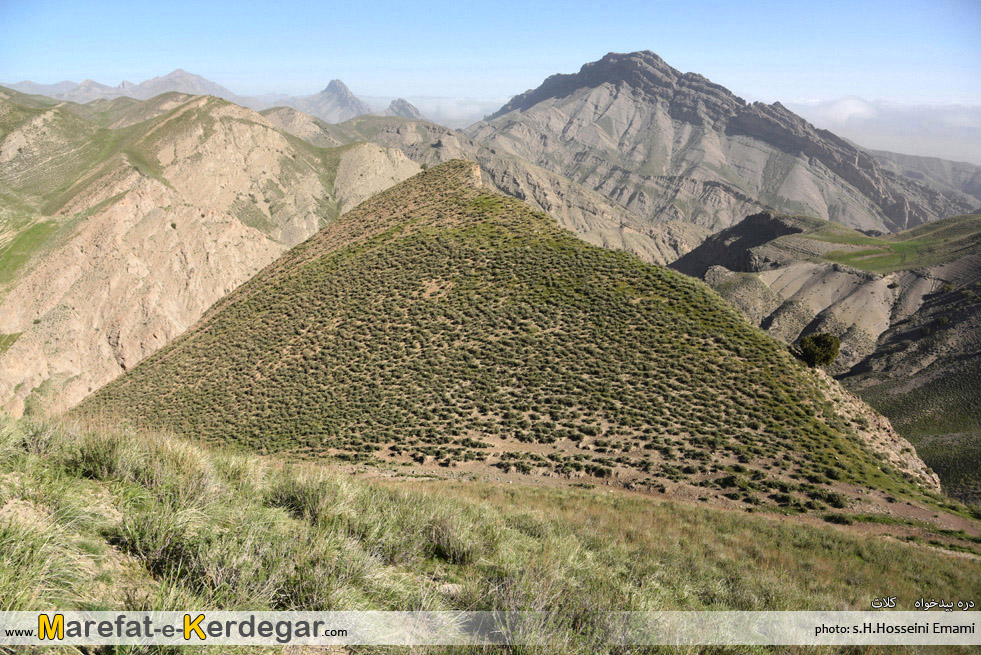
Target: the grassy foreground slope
pixel 102 520
pixel 442 324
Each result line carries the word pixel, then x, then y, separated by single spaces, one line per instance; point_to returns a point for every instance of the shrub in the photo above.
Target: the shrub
pixel 819 349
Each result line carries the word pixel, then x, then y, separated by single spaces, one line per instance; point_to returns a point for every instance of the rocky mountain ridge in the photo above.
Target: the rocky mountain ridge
pixel 653 139
pixel 950 177
pixel 404 108
pixel 593 217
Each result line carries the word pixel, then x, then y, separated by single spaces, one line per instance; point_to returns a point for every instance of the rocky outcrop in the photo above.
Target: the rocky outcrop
pixel 666 144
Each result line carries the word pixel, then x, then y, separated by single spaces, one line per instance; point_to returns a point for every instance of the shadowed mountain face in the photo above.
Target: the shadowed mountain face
pixel 675 145
pixel 122 221
pixel 439 320
pixel 905 306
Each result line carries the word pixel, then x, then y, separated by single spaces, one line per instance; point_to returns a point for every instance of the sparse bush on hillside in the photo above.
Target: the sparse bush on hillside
pixel 437 314
pixel 819 349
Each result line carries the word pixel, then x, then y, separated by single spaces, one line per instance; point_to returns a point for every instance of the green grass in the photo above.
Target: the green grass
pixel 438 316
pixel 927 245
pixel 23 246
pixel 102 519
pixel 942 419
pixel 7 340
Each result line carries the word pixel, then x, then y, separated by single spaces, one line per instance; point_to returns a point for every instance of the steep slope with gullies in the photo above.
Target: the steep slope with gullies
pixel 905 306
pixel 443 325
pixel 115 241
pixel 593 217
pixel 673 145
pixel 796 275
pixel 923 374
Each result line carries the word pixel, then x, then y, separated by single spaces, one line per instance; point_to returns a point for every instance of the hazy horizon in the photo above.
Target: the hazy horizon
pixel 908 67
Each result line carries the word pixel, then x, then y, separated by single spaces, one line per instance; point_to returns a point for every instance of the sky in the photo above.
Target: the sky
pixel 798 52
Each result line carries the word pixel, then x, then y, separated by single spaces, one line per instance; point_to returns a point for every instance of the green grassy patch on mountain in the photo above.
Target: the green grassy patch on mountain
pixel 98 519
pixel 7 340
pixel 441 324
pixel 22 246
pixel 927 245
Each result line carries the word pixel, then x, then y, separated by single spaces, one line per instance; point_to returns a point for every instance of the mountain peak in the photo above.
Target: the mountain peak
pixel 335 104
pixel 638 58
pixel 178 72
pixel 404 108
pixel 642 71
pixel 337 86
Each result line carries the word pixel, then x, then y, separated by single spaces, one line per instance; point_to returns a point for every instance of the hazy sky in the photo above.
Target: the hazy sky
pixel 787 50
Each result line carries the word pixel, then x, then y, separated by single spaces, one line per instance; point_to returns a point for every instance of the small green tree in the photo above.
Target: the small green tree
pixel 819 349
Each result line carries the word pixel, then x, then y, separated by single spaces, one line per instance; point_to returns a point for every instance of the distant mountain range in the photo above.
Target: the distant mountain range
pixel 179 80
pixel 333 104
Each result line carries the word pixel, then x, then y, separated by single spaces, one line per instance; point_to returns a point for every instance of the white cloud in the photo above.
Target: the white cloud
pixel 946 131
pixel 841 111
